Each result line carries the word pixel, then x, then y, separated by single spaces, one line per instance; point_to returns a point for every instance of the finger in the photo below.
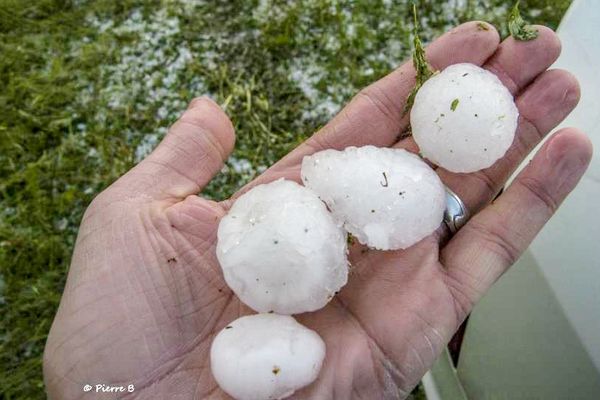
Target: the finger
pixel 190 154
pixel 518 62
pixel 495 238
pixel 542 106
pixel 375 115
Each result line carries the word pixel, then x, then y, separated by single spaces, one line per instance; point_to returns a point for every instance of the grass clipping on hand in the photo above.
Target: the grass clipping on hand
pixel 518 27
pixel 423 72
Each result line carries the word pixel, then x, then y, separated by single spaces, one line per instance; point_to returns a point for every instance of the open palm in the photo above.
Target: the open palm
pixel 145 295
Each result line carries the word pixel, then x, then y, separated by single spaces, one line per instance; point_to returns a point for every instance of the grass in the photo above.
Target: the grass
pixel 87 88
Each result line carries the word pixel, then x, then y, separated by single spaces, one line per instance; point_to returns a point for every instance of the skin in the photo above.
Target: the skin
pixel 145 295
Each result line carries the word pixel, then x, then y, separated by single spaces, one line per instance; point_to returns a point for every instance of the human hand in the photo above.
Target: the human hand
pixel 145 294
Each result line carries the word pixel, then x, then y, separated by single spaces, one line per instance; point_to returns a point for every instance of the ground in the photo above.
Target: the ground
pixel 87 89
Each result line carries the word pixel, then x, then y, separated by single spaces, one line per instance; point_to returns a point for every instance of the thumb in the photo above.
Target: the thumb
pixel 191 153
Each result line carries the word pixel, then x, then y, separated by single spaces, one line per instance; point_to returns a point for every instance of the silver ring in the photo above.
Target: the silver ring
pixel 456 214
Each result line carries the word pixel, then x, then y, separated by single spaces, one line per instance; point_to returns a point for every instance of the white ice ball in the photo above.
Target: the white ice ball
pixel 281 250
pixel 265 356
pixel 464 118
pixel 387 198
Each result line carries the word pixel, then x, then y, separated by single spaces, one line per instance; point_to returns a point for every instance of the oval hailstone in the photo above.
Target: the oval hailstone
pixel 464 118
pixel 281 250
pixel 387 198
pixel 265 356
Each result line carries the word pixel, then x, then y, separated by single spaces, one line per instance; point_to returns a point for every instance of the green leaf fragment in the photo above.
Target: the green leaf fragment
pixel 482 26
pixel 419 62
pixel 350 240
pixel 454 104
pixel 518 27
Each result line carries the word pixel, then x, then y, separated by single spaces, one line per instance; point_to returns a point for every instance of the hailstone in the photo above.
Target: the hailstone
pixel 464 118
pixel 387 198
pixel 265 356
pixel 281 250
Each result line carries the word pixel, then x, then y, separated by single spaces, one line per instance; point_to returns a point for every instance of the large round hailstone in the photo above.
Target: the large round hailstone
pixel 265 356
pixel 464 118
pixel 387 198
pixel 281 250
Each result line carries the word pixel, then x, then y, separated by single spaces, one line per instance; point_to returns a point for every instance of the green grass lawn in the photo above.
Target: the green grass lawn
pixel 87 88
